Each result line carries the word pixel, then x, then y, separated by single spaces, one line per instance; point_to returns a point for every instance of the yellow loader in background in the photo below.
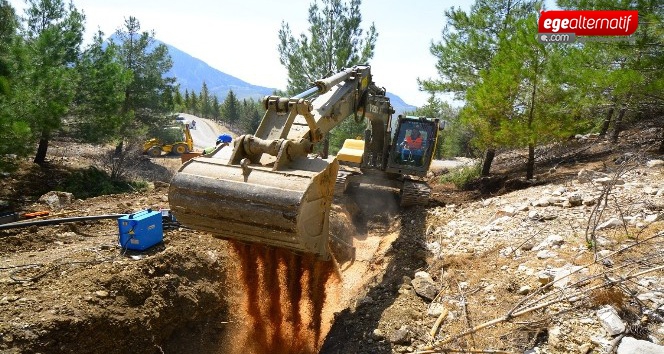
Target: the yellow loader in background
pixel 171 140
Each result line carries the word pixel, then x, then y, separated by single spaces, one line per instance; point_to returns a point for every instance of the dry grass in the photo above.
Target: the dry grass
pixel 608 296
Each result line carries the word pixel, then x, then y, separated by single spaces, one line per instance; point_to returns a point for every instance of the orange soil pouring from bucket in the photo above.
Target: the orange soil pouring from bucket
pixel 284 299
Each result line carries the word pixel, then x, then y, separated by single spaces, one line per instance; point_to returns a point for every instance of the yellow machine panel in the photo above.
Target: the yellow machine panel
pixel 351 151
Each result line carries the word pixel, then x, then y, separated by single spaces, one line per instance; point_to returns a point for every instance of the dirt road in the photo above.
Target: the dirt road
pixel 206 132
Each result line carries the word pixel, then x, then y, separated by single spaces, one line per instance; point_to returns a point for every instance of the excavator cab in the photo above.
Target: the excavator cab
pixel 413 144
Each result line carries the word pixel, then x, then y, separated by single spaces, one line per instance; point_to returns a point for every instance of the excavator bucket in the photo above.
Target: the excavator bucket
pixel 288 208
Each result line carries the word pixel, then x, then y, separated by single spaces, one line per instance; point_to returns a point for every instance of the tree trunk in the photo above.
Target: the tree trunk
pixel 606 122
pixel 618 125
pixel 488 160
pixel 118 148
pixel 530 165
pixel 40 158
pixel 326 147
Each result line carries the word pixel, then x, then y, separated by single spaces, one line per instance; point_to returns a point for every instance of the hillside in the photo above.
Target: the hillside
pixel 191 72
pixel 570 263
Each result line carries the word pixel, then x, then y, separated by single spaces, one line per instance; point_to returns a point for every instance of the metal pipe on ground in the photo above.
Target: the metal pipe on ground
pixel 19 224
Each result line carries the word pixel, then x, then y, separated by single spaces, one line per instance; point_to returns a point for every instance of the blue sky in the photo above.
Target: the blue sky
pixel 240 37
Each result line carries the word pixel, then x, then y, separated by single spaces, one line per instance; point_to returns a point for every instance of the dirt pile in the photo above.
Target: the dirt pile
pixel 73 291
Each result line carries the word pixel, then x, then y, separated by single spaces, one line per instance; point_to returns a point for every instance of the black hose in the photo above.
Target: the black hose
pixel 14 225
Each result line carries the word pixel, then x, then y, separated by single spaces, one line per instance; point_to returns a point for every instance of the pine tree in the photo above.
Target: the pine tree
pixel 466 51
pixel 216 108
pixel 15 132
pixel 627 76
pixel 230 110
pixel 206 108
pixel 178 100
pixel 8 27
pixel 194 103
pixel 145 97
pixel 53 36
pixel 470 41
pixel 250 115
pixel 335 41
pixel 187 101
pixel 100 93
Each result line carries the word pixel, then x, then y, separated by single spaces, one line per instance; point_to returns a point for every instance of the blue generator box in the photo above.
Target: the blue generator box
pixel 141 230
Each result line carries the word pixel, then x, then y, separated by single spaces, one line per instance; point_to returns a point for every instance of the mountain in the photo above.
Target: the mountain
pixel 190 73
pixel 399 105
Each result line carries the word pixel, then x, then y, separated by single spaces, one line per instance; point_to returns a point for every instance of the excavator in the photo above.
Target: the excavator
pixel 270 189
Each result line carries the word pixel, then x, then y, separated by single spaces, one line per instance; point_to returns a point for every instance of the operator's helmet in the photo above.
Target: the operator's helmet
pixel 224 138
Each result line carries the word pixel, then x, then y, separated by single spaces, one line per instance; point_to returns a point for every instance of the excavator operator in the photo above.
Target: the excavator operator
pixel 412 147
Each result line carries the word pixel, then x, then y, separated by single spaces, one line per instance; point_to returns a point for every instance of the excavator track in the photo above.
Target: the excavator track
pixel 342 182
pixel 414 193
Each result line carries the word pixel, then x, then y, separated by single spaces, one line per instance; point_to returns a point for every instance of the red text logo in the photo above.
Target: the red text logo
pixel 590 22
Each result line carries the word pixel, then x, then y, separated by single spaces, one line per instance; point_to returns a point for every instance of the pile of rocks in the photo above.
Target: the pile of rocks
pixel 556 241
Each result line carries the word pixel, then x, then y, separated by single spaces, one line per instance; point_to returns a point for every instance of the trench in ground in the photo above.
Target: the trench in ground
pixel 203 295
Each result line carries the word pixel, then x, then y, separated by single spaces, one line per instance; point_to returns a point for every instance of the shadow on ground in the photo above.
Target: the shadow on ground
pixel 352 331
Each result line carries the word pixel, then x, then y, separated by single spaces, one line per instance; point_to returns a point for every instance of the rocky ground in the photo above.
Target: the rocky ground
pixel 569 263
pixel 573 267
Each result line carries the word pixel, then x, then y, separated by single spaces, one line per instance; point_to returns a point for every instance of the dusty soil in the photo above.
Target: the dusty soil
pixel 70 288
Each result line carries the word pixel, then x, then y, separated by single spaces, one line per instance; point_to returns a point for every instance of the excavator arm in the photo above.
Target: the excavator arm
pixel 291 126
pixel 270 190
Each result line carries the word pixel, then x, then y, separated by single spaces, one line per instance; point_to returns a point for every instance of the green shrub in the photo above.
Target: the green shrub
pixel 168 135
pixel 462 176
pixel 93 182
